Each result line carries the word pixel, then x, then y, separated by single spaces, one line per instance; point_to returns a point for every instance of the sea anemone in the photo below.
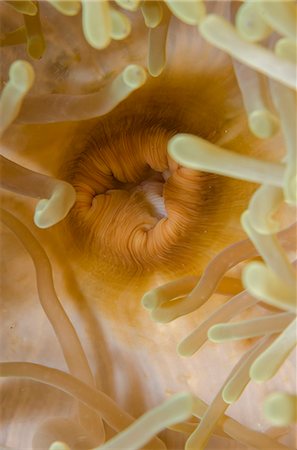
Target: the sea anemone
pixel 149 173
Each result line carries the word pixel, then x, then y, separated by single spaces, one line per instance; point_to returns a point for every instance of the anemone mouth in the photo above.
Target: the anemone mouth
pixel 133 204
pixel 137 211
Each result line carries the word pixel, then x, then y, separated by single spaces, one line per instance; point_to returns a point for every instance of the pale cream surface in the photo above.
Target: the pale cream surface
pixel 134 360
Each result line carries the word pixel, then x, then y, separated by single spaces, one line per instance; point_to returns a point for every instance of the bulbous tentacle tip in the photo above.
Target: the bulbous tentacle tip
pixel 21 74
pixel 59 446
pixel 49 212
pixel 263 124
pixel 134 76
pixel 280 408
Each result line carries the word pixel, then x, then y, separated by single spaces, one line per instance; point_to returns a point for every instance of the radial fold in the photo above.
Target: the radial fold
pixel 220 33
pixel 269 362
pixel 194 152
pixel 21 78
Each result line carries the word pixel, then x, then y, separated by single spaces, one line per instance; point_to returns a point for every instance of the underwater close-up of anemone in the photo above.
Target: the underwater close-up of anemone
pixel 148 224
